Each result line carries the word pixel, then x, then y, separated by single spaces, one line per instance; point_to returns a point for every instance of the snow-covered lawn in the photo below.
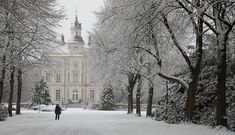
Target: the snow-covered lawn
pixel 86 122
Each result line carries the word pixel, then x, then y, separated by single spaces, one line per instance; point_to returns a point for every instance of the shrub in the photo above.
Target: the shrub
pixel 3 113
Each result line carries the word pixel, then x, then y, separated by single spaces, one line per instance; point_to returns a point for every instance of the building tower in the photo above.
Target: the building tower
pixel 76 29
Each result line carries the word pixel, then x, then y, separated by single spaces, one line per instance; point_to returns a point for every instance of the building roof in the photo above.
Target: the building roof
pixel 77 38
pixel 60 50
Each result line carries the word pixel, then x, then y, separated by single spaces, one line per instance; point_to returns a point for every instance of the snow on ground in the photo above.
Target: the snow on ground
pixel 87 122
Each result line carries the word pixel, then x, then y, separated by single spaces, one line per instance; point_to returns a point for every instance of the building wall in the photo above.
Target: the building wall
pixel 69 75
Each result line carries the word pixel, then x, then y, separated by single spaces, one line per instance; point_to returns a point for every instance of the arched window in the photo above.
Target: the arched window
pixel 75 95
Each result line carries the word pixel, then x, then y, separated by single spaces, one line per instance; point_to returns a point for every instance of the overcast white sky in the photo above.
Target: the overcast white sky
pixel 85 14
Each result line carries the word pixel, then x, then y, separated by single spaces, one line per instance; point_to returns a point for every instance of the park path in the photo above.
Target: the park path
pixel 86 122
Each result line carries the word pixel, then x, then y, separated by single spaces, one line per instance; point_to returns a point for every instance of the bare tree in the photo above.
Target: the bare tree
pixel 19 91
pixel 33 25
pixel 218 18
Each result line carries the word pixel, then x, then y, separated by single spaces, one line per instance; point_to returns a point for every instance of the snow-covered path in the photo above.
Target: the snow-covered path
pixel 85 122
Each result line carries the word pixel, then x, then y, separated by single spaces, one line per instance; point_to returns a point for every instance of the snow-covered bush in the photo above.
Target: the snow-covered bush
pixel 205 105
pixel 158 113
pixel 48 108
pixel 231 101
pixel 231 108
pixel 107 101
pixel 175 107
pixel 3 113
pixel 232 119
pixel 44 108
pixel 206 97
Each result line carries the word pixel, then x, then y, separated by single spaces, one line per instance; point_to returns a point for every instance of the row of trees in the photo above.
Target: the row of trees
pixel 27 32
pixel 146 41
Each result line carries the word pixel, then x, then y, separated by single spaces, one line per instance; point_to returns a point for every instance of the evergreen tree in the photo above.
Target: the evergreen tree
pixel 107 99
pixel 41 93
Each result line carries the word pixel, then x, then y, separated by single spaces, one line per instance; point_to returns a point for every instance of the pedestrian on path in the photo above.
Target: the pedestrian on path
pixel 57 112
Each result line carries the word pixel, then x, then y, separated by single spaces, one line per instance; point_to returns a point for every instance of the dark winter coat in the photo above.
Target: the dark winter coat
pixel 57 109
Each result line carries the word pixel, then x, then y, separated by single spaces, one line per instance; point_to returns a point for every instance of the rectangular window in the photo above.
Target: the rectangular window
pixel 48 78
pixel 58 78
pixel 57 95
pixel 92 94
pixel 75 65
pixel 75 77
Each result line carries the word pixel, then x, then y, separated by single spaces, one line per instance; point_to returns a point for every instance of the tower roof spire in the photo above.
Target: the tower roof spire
pixel 76 18
pixel 76 31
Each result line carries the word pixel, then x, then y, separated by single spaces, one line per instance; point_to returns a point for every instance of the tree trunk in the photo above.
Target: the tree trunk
pixel 130 99
pixel 191 95
pixel 19 78
pixel 221 82
pixel 2 78
pixel 138 107
pixel 150 100
pixel 132 78
pixel 190 102
pixel 130 102
pixel 222 38
pixel 11 91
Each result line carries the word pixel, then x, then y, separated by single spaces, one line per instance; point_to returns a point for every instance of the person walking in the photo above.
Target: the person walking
pixel 57 112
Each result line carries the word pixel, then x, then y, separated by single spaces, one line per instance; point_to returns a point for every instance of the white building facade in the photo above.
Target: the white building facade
pixel 68 78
